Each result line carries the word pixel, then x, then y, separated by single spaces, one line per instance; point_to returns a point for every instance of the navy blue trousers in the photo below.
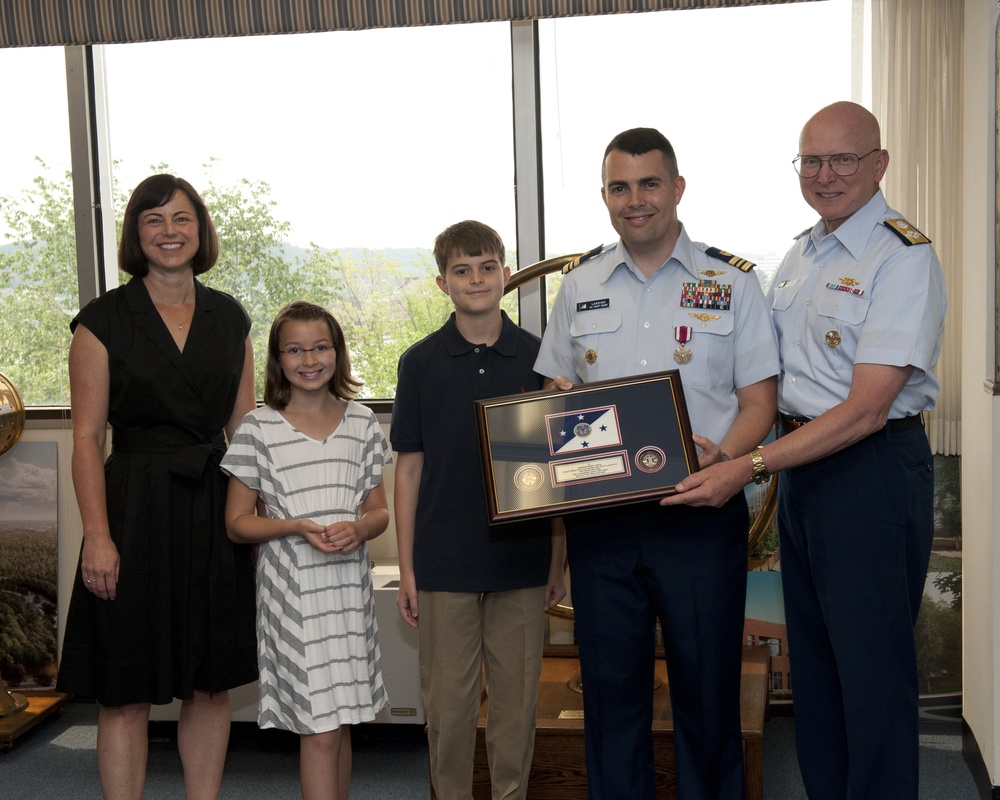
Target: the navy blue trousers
pixel 855 535
pixel 687 567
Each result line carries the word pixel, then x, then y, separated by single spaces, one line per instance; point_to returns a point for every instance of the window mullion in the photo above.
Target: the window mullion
pixel 529 206
pixel 91 166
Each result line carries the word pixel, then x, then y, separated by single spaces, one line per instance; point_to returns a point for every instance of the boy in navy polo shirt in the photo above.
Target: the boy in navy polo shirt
pixel 476 593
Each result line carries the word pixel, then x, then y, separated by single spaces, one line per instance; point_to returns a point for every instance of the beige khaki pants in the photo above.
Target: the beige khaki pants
pixel 463 635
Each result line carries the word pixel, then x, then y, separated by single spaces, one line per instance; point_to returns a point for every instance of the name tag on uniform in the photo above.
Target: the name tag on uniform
pixel 591 305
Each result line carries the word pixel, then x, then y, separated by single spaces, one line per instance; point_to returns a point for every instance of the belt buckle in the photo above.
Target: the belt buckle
pixel 791 423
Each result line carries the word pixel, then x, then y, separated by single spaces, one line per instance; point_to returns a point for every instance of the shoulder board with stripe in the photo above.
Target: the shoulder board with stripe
pixel 806 232
pixel 905 231
pixel 734 261
pixel 583 257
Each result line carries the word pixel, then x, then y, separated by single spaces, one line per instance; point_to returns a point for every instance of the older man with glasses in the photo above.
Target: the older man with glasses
pixel 858 305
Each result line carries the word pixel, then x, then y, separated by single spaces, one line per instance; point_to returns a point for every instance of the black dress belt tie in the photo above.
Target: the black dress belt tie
pixel 187 456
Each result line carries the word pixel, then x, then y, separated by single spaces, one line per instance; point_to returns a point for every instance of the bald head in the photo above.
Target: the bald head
pixel 838 129
pixel 849 122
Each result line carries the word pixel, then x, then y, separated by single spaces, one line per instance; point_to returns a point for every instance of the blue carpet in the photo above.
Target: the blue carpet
pixel 56 760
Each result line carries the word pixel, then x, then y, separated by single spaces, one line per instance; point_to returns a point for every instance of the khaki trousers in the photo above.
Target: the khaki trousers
pixel 462 635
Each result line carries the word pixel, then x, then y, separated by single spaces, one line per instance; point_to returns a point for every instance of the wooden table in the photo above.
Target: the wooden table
pixel 558 771
pixel 41 704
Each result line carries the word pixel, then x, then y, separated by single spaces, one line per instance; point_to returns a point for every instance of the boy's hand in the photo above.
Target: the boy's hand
pixel 406 601
pixel 558 382
pixel 555 593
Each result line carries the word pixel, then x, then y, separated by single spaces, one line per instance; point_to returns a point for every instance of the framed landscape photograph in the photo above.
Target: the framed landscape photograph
pixel 28 565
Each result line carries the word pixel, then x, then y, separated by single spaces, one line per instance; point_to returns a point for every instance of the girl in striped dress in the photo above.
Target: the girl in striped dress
pixel 314 458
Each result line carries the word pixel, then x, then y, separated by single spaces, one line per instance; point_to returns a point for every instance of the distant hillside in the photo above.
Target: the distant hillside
pixel 419 262
pixel 415 261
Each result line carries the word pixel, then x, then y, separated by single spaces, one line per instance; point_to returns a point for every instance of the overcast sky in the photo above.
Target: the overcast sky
pixel 28 482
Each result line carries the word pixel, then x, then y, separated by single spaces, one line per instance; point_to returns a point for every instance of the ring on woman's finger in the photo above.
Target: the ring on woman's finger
pixel 91 580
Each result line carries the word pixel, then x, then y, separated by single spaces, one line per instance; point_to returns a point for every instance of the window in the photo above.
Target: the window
pixel 38 283
pixel 729 87
pixel 330 162
pixel 774 645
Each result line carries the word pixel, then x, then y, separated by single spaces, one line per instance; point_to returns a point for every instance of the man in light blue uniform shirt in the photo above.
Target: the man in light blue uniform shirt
pixel 858 304
pixel 626 322
pixel 653 302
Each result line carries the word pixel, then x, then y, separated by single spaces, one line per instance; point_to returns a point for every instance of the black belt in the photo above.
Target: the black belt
pixel 791 423
pixel 187 459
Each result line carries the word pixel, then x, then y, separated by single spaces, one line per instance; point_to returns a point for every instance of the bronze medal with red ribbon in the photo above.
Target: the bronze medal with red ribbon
pixel 682 333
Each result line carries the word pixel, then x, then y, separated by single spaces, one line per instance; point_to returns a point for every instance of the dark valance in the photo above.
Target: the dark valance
pixel 75 22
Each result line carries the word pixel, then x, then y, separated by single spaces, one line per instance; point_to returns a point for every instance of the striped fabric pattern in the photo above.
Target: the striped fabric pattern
pixel 317 637
pixel 68 22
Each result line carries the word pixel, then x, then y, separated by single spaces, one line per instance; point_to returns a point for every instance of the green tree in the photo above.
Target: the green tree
pixel 252 266
pixel 38 287
pixel 938 636
pixel 383 307
pixel 948 497
pixel 38 274
pixel 950 582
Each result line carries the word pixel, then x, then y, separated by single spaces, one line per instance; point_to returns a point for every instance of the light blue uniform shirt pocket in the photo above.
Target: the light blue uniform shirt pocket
pixel 841 317
pixel 711 347
pixel 597 345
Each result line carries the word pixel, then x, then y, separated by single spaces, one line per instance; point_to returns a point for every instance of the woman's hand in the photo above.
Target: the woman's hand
pixel 99 566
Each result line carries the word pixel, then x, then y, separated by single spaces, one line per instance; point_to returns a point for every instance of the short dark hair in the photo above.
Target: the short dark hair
pixel 639 141
pixel 277 390
pixel 153 192
pixel 467 238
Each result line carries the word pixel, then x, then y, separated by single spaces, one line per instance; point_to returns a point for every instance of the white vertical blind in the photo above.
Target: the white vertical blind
pixel 917 98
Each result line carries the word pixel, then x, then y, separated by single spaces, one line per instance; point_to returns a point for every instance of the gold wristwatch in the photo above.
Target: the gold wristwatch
pixel 760 473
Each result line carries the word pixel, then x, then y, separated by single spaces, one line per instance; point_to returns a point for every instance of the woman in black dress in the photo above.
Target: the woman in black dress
pixel 163 604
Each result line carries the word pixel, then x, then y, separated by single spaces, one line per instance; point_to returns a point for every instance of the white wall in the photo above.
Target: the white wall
pixel 980 409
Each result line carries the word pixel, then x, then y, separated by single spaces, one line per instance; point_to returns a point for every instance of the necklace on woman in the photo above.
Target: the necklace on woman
pixel 176 316
pixel 173 323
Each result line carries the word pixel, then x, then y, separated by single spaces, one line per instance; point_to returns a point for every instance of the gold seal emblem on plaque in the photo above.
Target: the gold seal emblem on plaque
pixel 650 459
pixel 833 338
pixel 591 357
pixel 528 478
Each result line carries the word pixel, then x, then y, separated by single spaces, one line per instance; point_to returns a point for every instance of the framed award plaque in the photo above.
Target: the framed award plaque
pixel 598 444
